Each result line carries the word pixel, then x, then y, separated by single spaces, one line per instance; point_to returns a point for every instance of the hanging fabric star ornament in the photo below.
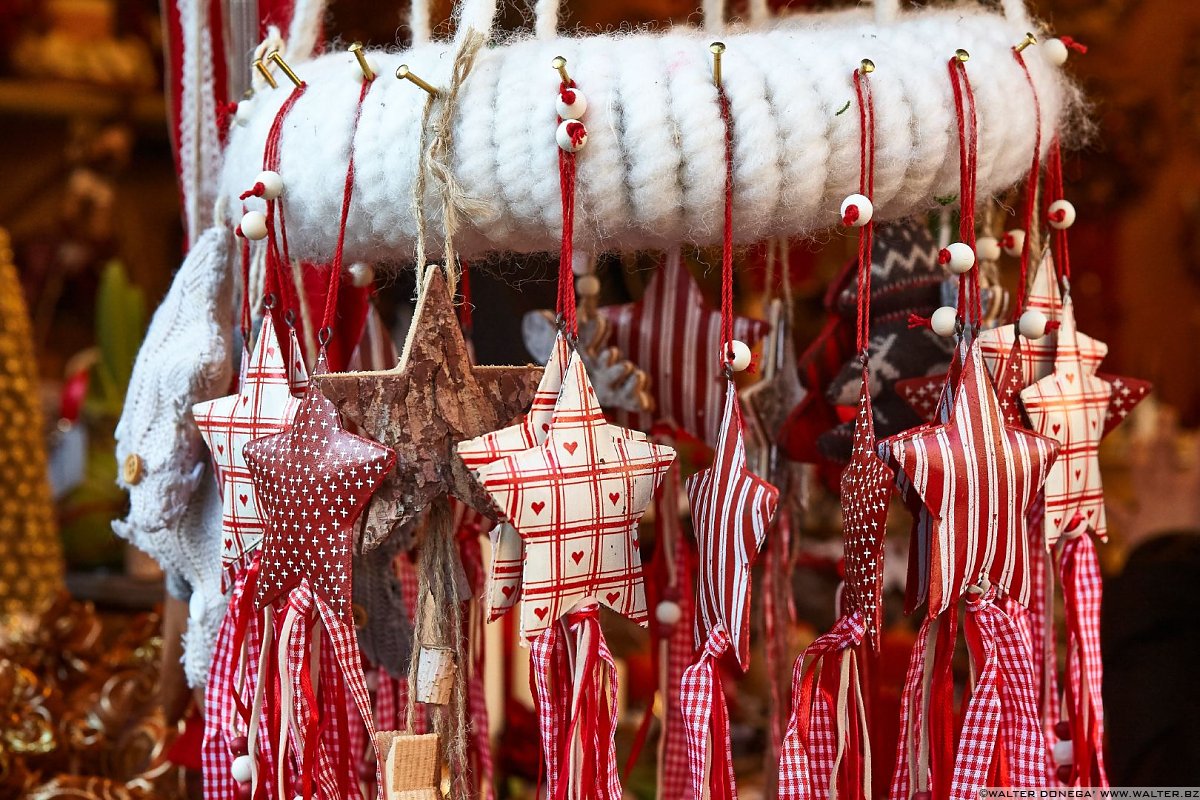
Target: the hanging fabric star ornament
pixel 731 511
pixel 866 488
pixel 1127 393
pixel 1070 405
pixel 575 500
pixel 772 398
pixel 433 399
pixel 263 406
pixel 671 333
pixel 977 476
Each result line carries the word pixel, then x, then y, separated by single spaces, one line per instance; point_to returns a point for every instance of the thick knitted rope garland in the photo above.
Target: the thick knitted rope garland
pixel 654 168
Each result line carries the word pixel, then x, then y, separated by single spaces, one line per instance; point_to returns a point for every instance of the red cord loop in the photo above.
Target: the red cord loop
pixel 970 304
pixel 1074 44
pixel 866 187
pixel 1030 187
pixel 257 190
pixel 917 321
pixel 851 216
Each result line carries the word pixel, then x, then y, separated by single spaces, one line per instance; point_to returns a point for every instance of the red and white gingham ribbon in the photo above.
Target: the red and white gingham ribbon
pixel 1002 708
pixel 815 740
pixel 706 718
pixel 1080 572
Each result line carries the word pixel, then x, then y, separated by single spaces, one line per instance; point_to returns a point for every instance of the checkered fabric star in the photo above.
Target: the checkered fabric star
pixel 508 549
pixel 675 336
pixel 433 399
pixel 265 405
pixel 977 476
pixel 576 500
pixel 1070 405
pixel 731 511
pixel 314 479
pixel 866 487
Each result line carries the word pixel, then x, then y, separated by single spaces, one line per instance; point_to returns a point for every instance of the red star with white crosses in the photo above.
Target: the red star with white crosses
pixel 732 509
pixel 977 476
pixel 314 479
pixel 1127 393
pixel 675 337
pixel 1070 405
pixel 265 405
pixel 866 487
pixel 576 500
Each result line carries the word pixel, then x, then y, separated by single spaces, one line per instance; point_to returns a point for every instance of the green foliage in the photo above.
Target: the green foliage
pixel 120 326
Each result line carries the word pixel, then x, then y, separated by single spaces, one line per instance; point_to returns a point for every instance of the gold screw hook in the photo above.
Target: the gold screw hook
pixel 266 73
pixel 1028 40
pixel 283 65
pixel 717 49
pixel 867 67
pixel 368 73
pixel 406 74
pixel 560 64
pixel 962 55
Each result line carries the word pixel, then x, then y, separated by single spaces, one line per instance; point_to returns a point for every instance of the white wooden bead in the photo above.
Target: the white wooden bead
pixel 668 613
pixel 587 285
pixel 564 138
pixel 1064 753
pixel 944 321
pixel 240 769
pixel 1055 51
pixel 862 211
pixel 1032 324
pixel 272 184
pixel 1061 214
pixel 362 275
pixel 574 109
pixel 987 248
pixel 958 256
pixel 739 355
pixel 1013 242
pixel 254 225
pixel 245 110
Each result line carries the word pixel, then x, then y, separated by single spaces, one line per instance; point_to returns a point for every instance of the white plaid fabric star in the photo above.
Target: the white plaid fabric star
pixel 264 406
pixel 576 500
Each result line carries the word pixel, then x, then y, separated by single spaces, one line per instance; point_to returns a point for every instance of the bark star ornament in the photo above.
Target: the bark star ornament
pixel 264 405
pixel 431 400
pixel 866 487
pixel 576 500
pixel 732 509
pixel 1070 405
pixel 977 476
pixel 314 480
pixel 771 399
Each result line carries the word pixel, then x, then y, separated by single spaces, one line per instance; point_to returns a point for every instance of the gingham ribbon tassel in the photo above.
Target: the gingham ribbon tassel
pixel 810 745
pixel 1085 674
pixel 706 720
pixel 1002 708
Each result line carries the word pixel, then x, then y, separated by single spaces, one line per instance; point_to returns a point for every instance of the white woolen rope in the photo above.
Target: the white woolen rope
pixel 199 142
pixel 419 23
pixel 651 174
pixel 545 19
pixel 305 29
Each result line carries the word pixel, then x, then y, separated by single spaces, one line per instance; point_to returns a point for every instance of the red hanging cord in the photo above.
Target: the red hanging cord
pixel 727 237
pixel 866 187
pixel 1030 189
pixel 335 268
pixel 970 305
pixel 565 305
pixel 1054 191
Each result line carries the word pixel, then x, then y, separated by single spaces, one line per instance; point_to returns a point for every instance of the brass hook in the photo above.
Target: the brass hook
pixel 1028 40
pixel 368 73
pixel 717 49
pixel 283 65
pixel 867 66
pixel 266 73
pixel 406 74
pixel 560 64
pixel 962 55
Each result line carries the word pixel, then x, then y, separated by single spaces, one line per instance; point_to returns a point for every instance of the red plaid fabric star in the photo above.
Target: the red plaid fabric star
pixel 866 486
pixel 1070 405
pixel 314 479
pixel 675 336
pixel 977 476
pixel 265 405
pixel 576 500
pixel 731 511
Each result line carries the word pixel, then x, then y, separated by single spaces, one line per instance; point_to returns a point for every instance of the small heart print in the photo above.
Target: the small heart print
pixel 537 506
pixel 614 497
pixel 570 447
pixel 245 399
pixel 270 351
pixel 1093 511
pixel 1057 521
pixel 611 597
pixel 1077 473
pixel 546 427
pixel 541 612
pixel 229 544
pixel 221 449
pixel 1093 424
pixel 577 556
pixel 299 366
pixel 508 590
pixel 635 542
pixel 1070 377
pixel 243 498
pixel 1057 427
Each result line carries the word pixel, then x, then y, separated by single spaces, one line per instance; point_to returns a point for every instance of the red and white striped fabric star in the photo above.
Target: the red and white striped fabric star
pixel 1070 405
pixel 264 405
pixel 977 476
pixel 731 511
pixel 672 333
pixel 576 500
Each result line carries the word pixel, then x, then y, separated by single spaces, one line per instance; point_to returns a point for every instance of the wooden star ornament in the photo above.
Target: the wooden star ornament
pixel 732 509
pixel 977 476
pixel 314 480
pixel 430 401
pixel 576 500
pixel 772 398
